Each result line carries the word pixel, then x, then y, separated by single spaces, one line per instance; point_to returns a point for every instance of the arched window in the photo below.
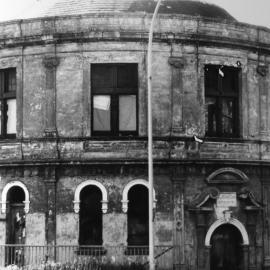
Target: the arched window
pixel 90 232
pixel 90 201
pixel 5 194
pixel 138 216
pixel 15 216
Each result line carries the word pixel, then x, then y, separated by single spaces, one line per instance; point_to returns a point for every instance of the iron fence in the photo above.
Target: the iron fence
pixel 30 255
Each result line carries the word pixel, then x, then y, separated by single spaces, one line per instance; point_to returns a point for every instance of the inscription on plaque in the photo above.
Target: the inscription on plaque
pixel 224 202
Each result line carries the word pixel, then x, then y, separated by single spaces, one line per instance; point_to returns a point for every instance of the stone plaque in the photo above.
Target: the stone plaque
pixel 224 202
pixel 227 199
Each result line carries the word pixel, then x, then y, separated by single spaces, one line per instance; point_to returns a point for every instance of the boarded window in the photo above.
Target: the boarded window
pixel 222 101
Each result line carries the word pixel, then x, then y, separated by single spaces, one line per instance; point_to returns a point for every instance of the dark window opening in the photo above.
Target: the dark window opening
pixel 138 216
pixel 114 99
pixel 15 229
pixel 8 105
pixel 222 101
pixel 90 216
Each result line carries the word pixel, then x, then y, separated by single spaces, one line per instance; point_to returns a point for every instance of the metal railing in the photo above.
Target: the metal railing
pixel 26 255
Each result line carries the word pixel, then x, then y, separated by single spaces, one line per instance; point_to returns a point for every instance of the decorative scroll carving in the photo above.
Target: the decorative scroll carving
pixel 176 62
pixel 246 194
pixel 50 62
pixel 262 69
pixel 203 197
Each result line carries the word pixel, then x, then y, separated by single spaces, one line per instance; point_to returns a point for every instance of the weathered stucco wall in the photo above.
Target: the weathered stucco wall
pixel 114 221
pixel 73 82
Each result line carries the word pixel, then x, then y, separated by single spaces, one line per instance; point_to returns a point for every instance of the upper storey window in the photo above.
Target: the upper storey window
pixel 222 101
pixel 114 99
pixel 8 104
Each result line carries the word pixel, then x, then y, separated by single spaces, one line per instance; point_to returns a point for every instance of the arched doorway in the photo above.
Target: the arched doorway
pixel 90 232
pixel 138 216
pixel 226 248
pixel 15 229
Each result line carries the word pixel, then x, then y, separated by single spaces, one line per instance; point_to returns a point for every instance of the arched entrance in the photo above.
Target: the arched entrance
pixel 15 229
pixel 90 216
pixel 226 248
pixel 227 240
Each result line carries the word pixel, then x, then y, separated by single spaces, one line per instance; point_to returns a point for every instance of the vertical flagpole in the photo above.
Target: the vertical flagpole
pixel 150 141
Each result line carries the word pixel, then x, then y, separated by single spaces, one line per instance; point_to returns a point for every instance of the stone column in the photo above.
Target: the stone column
pixel 177 63
pixel 179 223
pixel 50 63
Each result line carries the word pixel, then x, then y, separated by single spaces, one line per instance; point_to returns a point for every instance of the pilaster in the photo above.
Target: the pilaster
pixel 177 64
pixel 50 181
pixel 179 222
pixel 50 63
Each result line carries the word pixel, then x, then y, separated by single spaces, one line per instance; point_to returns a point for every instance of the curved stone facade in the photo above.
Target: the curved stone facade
pixel 57 148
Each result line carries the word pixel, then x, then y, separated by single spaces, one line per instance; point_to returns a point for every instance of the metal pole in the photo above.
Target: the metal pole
pixel 150 141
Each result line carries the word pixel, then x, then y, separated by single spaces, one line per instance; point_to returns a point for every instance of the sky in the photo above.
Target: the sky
pixel 249 11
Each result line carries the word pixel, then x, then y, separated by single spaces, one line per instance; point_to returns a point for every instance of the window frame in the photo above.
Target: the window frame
pixel 114 92
pixel 220 94
pixel 6 95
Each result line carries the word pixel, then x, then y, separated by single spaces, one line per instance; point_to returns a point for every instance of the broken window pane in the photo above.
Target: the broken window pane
pixel 127 113
pixel 11 116
pixel 102 112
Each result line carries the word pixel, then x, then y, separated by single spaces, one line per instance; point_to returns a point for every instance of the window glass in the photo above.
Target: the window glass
pixel 210 116
pixel 126 76
pixel 227 116
pixel 102 76
pixel 221 101
pixel 127 113
pixel 11 116
pixel 11 80
pixel 102 113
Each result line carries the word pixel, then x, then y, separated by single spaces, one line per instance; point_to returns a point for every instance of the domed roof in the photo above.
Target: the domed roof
pixel 186 7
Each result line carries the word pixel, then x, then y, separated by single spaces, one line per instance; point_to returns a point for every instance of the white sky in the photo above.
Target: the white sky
pixel 249 11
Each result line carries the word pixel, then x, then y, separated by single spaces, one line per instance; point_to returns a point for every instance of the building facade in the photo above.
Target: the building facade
pixel 73 149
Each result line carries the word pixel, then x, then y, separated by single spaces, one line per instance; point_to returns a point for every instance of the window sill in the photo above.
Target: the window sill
pixel 224 139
